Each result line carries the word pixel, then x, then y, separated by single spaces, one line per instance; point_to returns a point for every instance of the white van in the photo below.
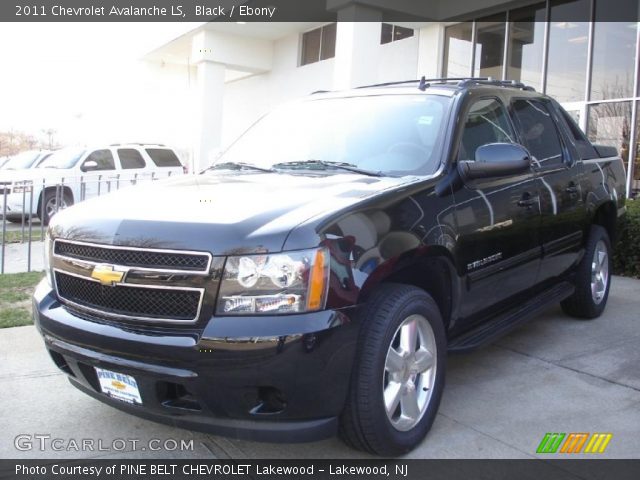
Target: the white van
pixel 73 174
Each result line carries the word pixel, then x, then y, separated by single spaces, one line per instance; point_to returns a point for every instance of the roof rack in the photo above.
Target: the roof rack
pixel 137 143
pixel 491 81
pixel 424 83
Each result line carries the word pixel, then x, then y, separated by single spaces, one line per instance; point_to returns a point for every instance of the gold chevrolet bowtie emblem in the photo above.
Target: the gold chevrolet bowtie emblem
pixel 107 274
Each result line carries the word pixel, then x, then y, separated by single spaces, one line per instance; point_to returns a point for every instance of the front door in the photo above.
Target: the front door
pixel 498 219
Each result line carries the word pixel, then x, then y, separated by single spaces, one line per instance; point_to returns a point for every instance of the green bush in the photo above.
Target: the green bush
pixel 626 258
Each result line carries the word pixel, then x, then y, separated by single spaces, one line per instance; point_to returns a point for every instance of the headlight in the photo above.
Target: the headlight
pixel 270 284
pixel 47 257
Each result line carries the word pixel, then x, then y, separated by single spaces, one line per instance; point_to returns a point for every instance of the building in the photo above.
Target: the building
pixel 237 71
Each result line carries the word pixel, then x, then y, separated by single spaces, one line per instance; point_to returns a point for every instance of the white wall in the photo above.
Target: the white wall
pixel 398 60
pixel 247 99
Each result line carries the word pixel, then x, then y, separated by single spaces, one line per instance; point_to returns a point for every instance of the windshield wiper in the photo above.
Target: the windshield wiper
pixel 237 166
pixel 327 164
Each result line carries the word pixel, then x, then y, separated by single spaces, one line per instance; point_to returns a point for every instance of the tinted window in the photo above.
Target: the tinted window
pixel 130 158
pixel 319 44
pixel 538 131
pixel 576 136
pixel 328 46
pixel 386 33
pixel 610 124
pixel 163 157
pixel 391 33
pixel 487 122
pixel 104 159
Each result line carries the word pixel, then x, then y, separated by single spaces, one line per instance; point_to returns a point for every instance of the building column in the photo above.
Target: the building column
pixel 209 107
pixel 431 50
pixel 356 46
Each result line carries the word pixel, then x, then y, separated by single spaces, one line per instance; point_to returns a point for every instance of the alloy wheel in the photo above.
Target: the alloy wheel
pixel 599 272
pixel 409 372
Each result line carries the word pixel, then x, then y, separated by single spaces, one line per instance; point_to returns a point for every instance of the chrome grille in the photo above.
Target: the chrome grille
pixel 135 257
pixel 130 301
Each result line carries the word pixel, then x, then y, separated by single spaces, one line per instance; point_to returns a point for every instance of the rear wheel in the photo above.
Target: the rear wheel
pixel 399 371
pixel 593 277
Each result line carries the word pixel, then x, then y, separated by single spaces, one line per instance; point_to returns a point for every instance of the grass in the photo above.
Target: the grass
pixel 15 298
pixel 15 236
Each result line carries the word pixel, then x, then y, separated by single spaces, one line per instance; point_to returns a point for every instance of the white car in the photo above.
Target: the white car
pixel 25 160
pixel 73 174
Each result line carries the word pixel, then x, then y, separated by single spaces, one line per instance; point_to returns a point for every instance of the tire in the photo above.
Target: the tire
pixel 365 423
pixel 48 205
pixel 593 278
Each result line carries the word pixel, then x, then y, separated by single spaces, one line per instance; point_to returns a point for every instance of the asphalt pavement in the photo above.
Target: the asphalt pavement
pixel 556 374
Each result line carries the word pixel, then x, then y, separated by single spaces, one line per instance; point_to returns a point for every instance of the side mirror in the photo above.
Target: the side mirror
pixel 89 165
pixel 495 160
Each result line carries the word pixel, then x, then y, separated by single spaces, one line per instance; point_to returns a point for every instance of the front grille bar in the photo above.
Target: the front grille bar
pixel 122 301
pixel 148 259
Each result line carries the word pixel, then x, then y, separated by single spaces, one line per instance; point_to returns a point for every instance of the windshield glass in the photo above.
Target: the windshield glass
pixel 391 134
pixel 21 160
pixel 65 158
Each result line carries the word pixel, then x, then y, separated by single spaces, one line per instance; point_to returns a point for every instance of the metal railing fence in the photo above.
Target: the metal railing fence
pixel 26 203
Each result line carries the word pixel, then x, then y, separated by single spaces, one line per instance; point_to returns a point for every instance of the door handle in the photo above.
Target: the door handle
pixel 527 201
pixel 572 189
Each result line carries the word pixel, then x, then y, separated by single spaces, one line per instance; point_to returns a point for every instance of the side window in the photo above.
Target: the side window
pixel 99 160
pixel 538 131
pixel 163 157
pixel 487 122
pixel 576 136
pixel 130 158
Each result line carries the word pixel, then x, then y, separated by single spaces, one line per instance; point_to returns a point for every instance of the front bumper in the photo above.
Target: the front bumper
pixel 18 204
pixel 281 378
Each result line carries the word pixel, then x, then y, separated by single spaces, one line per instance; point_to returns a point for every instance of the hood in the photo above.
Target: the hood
pixel 220 213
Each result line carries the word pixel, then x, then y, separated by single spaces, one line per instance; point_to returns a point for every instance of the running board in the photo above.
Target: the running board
pixel 488 331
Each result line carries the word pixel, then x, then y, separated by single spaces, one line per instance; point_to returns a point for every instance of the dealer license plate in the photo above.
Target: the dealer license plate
pixel 118 385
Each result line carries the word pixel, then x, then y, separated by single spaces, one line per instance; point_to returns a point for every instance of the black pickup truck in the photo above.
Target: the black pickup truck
pixel 314 278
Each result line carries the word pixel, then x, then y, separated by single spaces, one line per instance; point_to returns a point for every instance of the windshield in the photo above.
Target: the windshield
pixel 65 158
pixel 390 134
pixel 21 160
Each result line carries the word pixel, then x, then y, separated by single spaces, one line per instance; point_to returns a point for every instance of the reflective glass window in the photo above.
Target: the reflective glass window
pixel 526 43
pixel 568 45
pixel 489 48
pixel 457 50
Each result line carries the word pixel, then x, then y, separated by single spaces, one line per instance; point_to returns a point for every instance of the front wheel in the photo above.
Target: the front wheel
pixel 52 203
pixel 593 277
pixel 398 374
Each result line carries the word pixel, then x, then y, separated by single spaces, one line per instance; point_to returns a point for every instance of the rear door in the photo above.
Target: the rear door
pixel 561 196
pixel 133 166
pixel 498 219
